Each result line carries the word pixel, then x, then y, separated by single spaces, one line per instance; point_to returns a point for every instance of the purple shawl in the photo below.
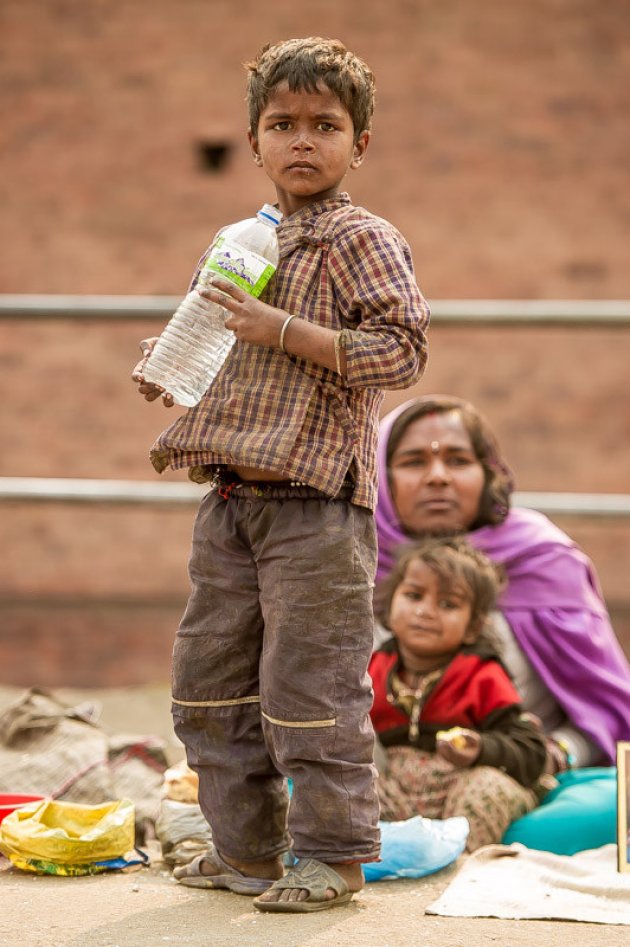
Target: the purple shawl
pixel 553 605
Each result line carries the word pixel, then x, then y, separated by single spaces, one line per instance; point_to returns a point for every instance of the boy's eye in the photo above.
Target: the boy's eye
pixel 448 603
pixel 326 127
pixel 281 126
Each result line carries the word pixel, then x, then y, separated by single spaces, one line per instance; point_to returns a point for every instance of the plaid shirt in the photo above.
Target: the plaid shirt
pixel 343 268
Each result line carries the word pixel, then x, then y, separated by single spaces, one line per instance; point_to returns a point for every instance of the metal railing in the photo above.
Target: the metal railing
pixel 140 492
pixel 595 313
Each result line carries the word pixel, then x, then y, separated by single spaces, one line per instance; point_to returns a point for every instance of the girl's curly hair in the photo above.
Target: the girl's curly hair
pixel 455 563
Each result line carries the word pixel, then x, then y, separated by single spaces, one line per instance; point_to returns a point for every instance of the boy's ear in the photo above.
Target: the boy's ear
pixel 358 153
pixel 253 144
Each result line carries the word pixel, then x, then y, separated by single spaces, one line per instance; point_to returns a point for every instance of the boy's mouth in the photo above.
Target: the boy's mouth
pixel 302 166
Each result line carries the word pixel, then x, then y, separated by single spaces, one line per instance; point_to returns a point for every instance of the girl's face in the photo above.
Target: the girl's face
pixel 305 143
pixel 429 621
pixel 436 479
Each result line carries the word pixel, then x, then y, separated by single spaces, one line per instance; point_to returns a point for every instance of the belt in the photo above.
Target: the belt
pixel 228 485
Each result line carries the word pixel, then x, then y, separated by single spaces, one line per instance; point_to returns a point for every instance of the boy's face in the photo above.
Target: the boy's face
pixel 429 622
pixel 305 143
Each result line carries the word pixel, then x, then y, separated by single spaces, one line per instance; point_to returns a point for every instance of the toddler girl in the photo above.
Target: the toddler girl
pixel 445 710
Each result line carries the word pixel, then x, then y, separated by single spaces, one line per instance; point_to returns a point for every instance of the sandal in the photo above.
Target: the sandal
pixel 228 878
pixel 315 877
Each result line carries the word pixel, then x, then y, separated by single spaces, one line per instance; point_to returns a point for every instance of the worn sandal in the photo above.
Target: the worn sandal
pixel 315 877
pixel 228 878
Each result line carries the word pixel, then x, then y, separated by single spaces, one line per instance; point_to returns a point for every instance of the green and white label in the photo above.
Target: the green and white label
pixel 234 262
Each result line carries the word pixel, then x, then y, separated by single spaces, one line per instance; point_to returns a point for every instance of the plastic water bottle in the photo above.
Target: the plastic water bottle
pixel 195 343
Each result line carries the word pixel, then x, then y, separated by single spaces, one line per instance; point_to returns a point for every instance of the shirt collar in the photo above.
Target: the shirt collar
pixel 310 224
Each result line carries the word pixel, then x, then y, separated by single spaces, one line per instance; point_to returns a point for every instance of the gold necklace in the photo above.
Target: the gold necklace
pixel 411 699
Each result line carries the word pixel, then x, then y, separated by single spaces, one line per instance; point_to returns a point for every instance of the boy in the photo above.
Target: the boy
pixel 270 660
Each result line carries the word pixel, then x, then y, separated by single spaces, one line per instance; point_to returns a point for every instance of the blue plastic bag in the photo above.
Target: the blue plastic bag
pixel 417 847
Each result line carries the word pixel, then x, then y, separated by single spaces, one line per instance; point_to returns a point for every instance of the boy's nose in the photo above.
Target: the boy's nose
pixel 302 142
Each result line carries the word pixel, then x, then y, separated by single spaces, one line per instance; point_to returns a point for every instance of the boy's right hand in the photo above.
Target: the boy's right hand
pixel 147 388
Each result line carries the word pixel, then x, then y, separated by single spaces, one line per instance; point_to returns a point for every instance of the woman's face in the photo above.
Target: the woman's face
pixel 435 477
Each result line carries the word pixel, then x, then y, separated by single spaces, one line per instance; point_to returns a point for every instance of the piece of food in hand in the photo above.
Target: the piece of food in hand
pixel 455 736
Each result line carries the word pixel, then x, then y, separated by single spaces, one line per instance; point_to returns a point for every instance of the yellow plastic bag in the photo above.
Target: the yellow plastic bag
pixel 66 838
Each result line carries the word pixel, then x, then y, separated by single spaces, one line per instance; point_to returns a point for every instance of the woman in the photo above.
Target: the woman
pixel 440 473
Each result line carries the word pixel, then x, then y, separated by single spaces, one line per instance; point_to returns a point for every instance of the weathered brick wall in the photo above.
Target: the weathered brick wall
pixel 501 150
pixel 501 143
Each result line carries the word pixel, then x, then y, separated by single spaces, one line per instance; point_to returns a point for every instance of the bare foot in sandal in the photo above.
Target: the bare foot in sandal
pixel 208 868
pixel 306 887
pixel 212 870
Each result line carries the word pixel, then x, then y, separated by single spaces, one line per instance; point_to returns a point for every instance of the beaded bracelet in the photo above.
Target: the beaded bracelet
pixel 284 328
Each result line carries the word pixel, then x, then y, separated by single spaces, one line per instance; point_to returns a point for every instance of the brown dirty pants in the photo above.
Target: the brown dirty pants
pixel 270 674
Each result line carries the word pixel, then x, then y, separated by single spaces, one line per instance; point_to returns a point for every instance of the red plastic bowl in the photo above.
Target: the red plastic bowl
pixel 9 802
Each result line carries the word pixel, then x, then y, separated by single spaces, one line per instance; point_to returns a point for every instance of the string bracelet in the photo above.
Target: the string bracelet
pixel 284 328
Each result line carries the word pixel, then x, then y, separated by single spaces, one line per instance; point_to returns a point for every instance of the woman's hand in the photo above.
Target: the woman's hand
pixel 249 319
pixel 558 760
pixel 147 388
pixel 462 749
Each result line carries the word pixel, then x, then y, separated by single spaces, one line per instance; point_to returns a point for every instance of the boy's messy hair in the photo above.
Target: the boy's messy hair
pixel 302 63
pixel 455 562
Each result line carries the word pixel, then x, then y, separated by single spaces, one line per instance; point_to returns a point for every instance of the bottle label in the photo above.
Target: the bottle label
pixel 234 262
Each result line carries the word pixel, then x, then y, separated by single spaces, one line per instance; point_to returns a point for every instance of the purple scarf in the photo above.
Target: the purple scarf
pixel 553 605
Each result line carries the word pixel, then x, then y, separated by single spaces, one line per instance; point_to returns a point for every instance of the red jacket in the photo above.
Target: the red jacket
pixel 474 691
pixel 470 689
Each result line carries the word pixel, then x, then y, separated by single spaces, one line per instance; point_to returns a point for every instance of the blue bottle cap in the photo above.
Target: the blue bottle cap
pixel 269 212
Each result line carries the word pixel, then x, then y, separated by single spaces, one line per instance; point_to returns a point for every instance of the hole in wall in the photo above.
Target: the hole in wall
pixel 213 154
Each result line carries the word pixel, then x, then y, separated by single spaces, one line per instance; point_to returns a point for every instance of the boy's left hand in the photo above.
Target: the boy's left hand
pixel 464 751
pixel 249 319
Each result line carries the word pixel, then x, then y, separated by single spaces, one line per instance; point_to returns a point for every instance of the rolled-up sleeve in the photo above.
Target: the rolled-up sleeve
pixel 379 299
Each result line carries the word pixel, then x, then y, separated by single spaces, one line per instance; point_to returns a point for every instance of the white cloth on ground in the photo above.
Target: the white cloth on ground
pixel 514 882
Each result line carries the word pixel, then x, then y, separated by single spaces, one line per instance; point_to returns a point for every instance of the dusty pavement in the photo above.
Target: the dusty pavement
pixel 147 908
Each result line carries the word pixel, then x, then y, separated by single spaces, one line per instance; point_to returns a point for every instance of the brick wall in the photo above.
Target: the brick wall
pixel 501 150
pixel 500 147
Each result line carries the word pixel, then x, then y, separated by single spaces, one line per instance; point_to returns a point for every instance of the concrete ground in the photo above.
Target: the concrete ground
pixel 146 908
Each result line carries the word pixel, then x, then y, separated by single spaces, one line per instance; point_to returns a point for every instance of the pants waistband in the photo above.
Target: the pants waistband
pixel 230 486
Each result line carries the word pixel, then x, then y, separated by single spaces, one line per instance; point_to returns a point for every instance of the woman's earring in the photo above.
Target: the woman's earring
pixel 257 159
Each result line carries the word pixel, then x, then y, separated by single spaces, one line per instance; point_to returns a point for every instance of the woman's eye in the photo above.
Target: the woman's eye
pixel 414 464
pixel 461 461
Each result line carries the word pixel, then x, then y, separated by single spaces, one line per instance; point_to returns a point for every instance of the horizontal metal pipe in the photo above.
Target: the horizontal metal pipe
pixel 596 312
pixel 61 489
pixel 140 492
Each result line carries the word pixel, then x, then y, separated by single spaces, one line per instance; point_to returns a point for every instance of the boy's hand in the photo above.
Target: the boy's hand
pixel 462 750
pixel 248 318
pixel 147 388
